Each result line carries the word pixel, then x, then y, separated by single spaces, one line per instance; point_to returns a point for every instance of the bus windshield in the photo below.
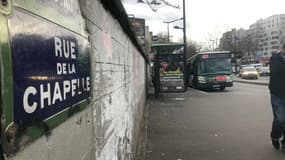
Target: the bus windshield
pixel 215 66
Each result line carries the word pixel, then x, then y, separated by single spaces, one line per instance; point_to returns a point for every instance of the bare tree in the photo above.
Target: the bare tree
pixel 192 48
pixel 213 39
pixel 248 45
pixel 162 37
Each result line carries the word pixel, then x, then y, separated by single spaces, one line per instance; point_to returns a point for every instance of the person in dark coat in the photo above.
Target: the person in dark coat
pixel 277 91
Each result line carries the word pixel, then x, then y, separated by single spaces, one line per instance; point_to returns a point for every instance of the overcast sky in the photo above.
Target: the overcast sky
pixel 206 17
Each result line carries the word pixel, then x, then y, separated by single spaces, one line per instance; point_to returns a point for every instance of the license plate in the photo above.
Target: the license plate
pixel 178 87
pixel 221 78
pixel 216 86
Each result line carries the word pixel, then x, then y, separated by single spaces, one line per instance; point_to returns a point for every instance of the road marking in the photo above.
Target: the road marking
pixel 177 99
pixel 199 91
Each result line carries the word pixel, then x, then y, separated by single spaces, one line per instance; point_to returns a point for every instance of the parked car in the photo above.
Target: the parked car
pixel 249 72
pixel 245 65
pixel 257 66
pixel 264 71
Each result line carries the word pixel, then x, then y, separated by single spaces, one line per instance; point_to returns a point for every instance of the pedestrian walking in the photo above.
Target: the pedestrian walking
pixel 277 91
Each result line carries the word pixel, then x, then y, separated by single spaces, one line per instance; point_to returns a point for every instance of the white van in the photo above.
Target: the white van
pixel 257 66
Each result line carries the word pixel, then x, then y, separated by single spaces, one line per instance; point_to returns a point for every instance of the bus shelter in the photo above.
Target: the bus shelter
pixel 168 67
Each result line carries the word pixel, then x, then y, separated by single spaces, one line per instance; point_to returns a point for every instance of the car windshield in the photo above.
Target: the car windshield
pixel 249 69
pixel 215 66
pixel 265 69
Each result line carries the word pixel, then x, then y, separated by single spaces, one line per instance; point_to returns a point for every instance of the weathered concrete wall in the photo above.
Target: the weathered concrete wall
pixel 109 128
pixel 119 85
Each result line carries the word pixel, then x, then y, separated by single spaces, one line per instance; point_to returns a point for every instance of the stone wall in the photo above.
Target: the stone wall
pixel 109 128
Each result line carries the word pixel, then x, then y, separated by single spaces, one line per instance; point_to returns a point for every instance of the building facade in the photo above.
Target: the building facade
pixel 231 40
pixel 263 38
pixel 270 34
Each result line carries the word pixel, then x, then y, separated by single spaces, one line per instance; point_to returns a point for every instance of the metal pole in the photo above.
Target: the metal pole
pixel 167 32
pixel 185 46
pixel 235 53
pixel 157 75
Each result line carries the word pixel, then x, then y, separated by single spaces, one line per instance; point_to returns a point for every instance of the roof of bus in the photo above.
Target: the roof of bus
pixel 166 45
pixel 215 52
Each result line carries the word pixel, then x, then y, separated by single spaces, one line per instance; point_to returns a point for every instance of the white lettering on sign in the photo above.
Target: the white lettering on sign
pixel 62 91
pixel 64 48
pixel 56 93
pixel 57 44
pixel 73 87
pixel 45 95
pixel 66 88
pixel 27 107
pixel 65 68
pixel 53 93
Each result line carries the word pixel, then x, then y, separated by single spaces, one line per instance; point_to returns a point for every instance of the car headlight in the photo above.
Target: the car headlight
pixel 201 79
pixel 229 79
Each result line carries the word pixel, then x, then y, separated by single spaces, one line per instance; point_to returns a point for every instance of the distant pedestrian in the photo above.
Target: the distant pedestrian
pixel 277 91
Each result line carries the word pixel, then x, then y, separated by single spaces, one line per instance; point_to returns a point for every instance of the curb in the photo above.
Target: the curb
pixel 252 82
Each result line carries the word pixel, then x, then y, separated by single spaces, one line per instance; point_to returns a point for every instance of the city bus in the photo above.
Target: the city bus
pixel 210 70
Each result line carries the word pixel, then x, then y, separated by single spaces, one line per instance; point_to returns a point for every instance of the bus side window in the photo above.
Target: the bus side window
pixel 195 69
pixel 189 68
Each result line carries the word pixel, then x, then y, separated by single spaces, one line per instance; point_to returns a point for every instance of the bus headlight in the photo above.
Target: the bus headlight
pixel 201 79
pixel 229 79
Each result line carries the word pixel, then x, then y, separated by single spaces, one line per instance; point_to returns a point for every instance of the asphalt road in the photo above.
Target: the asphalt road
pixel 230 125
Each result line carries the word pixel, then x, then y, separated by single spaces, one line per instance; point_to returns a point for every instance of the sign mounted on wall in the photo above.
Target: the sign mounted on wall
pixel 45 68
pixel 51 68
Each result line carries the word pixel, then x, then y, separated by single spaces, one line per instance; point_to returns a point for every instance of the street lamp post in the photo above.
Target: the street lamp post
pixel 168 22
pixel 184 46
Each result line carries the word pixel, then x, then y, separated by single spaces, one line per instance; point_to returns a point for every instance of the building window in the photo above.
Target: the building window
pixel 265 53
pixel 275 37
pixel 275 47
pixel 274 42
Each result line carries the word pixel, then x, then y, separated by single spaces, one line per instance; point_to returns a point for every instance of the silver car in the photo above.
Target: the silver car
pixel 249 72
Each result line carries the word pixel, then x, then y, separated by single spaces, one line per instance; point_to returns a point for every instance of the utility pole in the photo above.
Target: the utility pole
pixel 185 47
pixel 168 32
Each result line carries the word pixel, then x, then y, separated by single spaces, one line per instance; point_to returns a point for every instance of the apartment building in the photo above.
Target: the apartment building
pixel 231 39
pixel 270 35
pixel 263 38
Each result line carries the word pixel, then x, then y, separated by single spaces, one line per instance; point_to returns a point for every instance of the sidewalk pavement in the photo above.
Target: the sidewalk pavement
pixel 260 81
pixel 214 125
